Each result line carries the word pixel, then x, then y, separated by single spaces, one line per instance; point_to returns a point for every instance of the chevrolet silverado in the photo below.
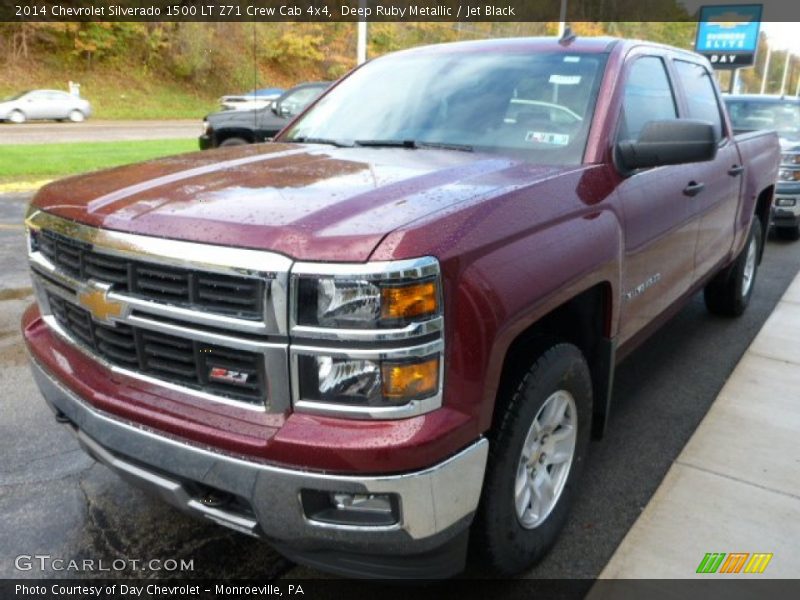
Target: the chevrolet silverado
pixel 383 342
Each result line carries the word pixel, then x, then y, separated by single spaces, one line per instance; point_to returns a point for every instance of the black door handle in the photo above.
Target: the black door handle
pixel 735 170
pixel 693 188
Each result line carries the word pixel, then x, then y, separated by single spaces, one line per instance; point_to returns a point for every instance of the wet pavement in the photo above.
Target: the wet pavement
pixel 55 500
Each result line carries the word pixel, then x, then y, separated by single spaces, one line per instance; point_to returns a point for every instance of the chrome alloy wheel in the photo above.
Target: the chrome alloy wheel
pixel 749 267
pixel 546 459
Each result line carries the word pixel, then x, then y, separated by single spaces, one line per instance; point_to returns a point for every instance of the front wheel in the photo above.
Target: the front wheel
pixel 17 116
pixel 233 141
pixel 536 453
pixel 729 293
pixel 76 116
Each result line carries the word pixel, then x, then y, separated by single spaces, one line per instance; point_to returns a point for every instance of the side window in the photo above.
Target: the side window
pixel 700 96
pixel 648 97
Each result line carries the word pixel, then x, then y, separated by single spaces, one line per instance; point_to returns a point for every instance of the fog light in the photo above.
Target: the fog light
pixel 344 508
pixel 785 202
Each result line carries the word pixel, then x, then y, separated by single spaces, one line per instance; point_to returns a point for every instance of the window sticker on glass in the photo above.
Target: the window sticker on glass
pixel 572 59
pixel 565 79
pixel 544 137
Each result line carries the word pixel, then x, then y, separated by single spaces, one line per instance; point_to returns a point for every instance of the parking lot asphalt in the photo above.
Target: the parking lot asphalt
pixel 48 132
pixel 54 500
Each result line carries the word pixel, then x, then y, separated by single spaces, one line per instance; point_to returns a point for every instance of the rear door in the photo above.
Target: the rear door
pixel 660 232
pixel 716 200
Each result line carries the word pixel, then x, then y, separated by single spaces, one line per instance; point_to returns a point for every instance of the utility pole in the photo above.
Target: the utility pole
pixel 361 45
pixel 765 74
pixel 785 71
pixel 562 22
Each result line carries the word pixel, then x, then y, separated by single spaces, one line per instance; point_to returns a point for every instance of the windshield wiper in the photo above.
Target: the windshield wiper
pixel 314 140
pixel 414 144
pixel 387 143
pixel 446 146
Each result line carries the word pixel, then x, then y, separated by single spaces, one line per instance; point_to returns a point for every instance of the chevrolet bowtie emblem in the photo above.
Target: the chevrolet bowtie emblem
pixel 94 298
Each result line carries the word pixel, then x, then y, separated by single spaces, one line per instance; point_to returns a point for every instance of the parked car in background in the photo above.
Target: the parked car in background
pixel 237 127
pixel 782 114
pixel 44 104
pixel 256 99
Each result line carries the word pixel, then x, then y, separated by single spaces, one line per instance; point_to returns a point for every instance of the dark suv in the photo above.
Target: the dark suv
pixel 237 127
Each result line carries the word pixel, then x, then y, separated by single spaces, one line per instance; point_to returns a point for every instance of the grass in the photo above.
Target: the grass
pixel 48 161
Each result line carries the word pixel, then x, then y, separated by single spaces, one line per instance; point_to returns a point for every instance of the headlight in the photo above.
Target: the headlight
pixel 790 159
pixel 372 301
pixel 789 175
pixel 785 202
pixel 367 340
pixel 367 383
pixel 206 126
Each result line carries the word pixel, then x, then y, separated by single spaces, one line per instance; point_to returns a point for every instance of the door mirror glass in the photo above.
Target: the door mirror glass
pixel 671 142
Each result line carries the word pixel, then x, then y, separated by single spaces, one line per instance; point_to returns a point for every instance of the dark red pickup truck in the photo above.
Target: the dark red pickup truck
pixel 389 336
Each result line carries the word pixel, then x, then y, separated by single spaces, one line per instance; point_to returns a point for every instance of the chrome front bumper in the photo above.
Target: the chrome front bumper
pixel 436 504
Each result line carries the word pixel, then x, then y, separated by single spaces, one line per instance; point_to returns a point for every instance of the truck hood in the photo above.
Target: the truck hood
pixel 310 202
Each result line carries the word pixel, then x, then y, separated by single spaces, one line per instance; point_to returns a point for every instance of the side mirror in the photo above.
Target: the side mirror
pixel 275 107
pixel 670 142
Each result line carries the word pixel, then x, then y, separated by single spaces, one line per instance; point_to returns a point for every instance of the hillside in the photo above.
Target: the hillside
pixel 179 70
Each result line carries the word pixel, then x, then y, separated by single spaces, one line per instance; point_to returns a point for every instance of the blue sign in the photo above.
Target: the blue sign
pixel 729 30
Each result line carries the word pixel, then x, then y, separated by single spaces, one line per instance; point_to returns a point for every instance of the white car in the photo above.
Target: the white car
pixel 44 104
pixel 251 101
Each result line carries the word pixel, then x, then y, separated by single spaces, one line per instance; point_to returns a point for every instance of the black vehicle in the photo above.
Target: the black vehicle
pixel 237 127
pixel 750 112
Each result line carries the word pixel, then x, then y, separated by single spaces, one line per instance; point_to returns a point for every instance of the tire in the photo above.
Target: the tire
pixel 234 141
pixel 17 116
pixel 788 233
pixel 729 293
pixel 508 535
pixel 76 116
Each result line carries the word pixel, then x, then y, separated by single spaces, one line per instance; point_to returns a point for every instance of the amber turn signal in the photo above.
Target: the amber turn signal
pixel 409 301
pixel 410 380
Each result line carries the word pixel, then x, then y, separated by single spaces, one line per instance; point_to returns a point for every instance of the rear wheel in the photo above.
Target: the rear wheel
pixel 76 116
pixel 536 454
pixel 17 116
pixel 234 141
pixel 729 293
pixel 788 233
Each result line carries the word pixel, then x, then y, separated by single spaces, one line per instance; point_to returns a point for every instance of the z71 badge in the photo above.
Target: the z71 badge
pixel 220 374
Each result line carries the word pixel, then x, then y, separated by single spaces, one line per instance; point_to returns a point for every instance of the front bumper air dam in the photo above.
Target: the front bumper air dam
pixel 429 540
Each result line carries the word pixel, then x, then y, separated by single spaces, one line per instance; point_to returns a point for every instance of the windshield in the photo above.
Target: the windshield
pixel 534 106
pixel 783 117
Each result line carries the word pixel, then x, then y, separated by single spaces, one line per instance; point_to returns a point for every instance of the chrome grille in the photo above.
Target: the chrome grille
pixel 242 297
pixel 171 358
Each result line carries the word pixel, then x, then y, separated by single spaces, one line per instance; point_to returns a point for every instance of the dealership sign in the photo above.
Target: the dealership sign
pixel 728 34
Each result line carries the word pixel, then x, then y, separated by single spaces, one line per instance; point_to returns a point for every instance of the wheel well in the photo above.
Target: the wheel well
pixel 226 134
pixel 763 206
pixel 584 321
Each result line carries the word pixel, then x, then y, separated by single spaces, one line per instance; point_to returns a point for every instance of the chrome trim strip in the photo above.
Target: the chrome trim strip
pixel 412 330
pixel 220 259
pixel 412 268
pixel 431 500
pixel 371 353
pixel 129 318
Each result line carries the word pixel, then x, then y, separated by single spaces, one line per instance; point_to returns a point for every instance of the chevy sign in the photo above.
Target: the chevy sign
pixel 728 35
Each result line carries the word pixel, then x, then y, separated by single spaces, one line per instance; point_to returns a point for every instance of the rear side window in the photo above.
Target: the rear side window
pixel 700 97
pixel 648 97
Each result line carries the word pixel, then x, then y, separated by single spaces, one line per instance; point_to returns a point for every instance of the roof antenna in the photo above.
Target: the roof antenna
pixel 567 37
